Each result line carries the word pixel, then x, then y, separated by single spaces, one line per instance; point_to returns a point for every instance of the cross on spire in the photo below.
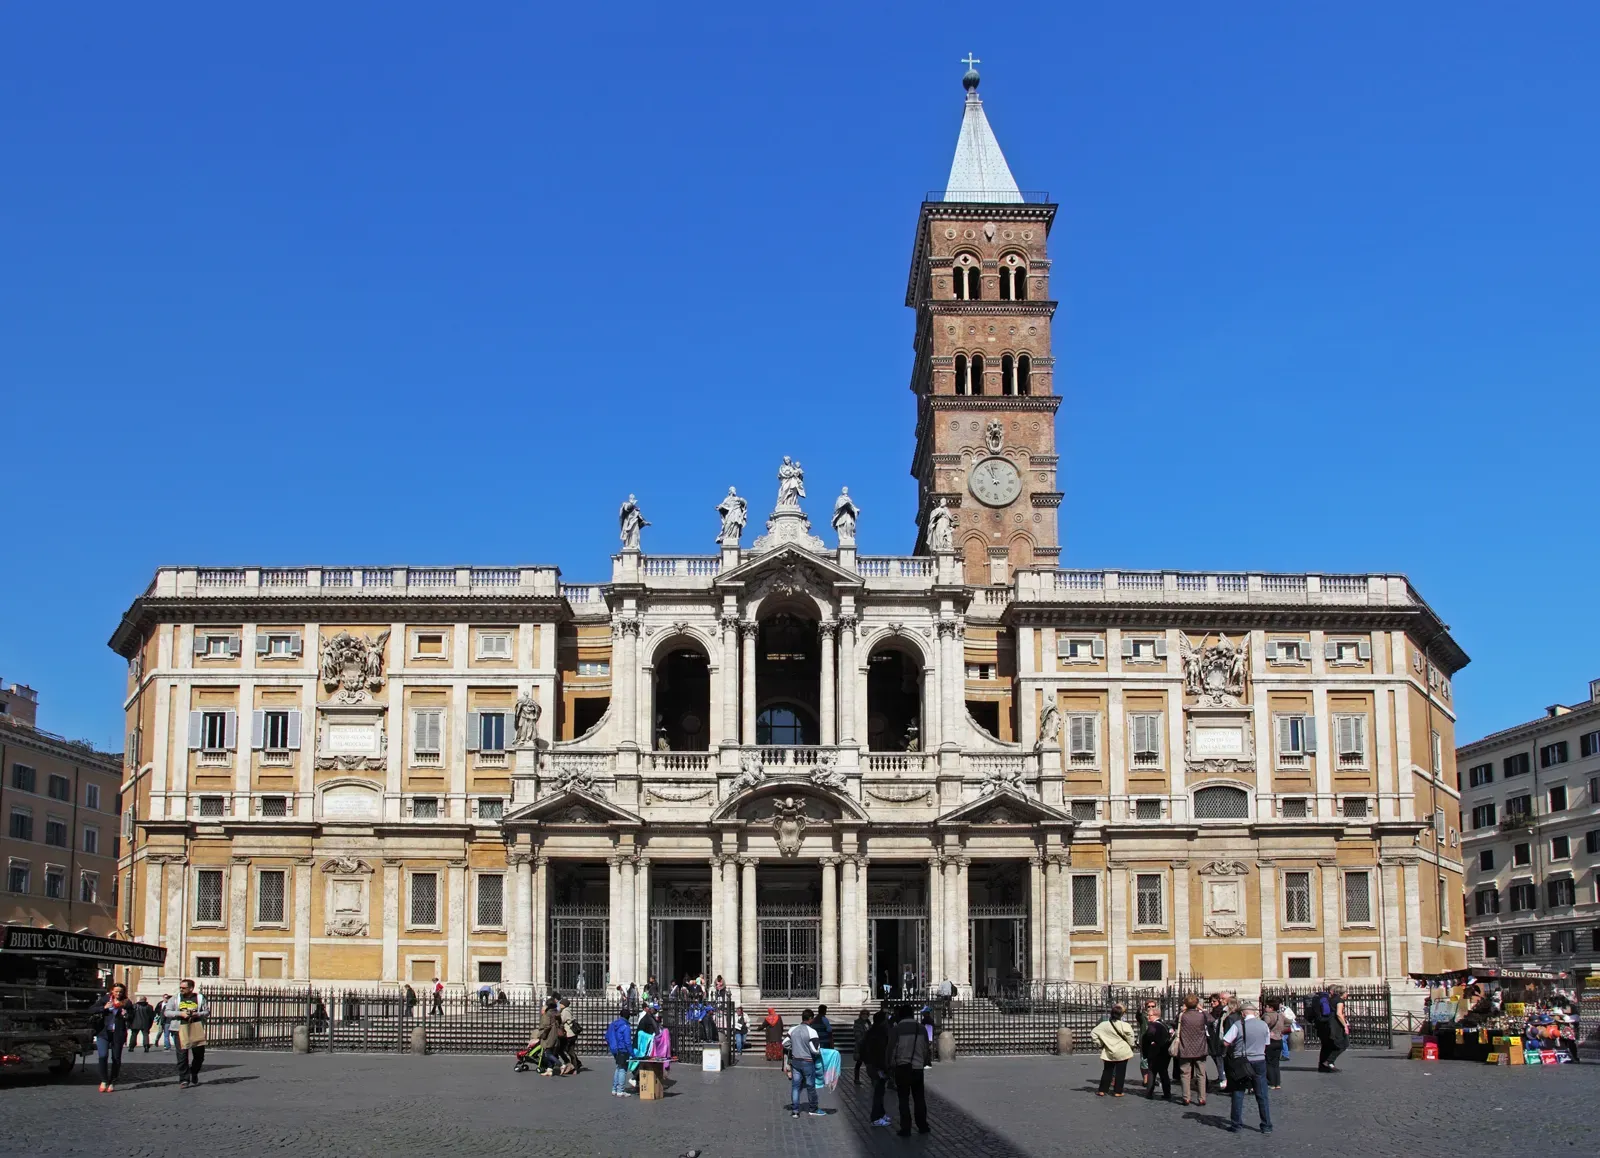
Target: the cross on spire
pixel 971 61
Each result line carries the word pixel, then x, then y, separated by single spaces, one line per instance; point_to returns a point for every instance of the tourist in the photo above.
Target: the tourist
pixel 859 1026
pixel 581 985
pixel 1279 1025
pixel 741 1029
pixel 909 1054
pixel 189 1011
pixel 630 999
pixel 908 982
pixel 162 1027
pixel 1219 1017
pixel 648 1023
pixel 805 1048
pixel 619 1040
pixel 569 1038
pixel 411 1001
pixel 1333 1027
pixel 142 1017
pixel 719 991
pixel 1247 1039
pixel 1117 1042
pixel 549 1038
pixel 438 997
pixel 485 994
pixel 930 1029
pixel 111 1017
pixel 872 1047
pixel 1155 1042
pixel 823 1026
pixel 1192 1048
pixel 772 1026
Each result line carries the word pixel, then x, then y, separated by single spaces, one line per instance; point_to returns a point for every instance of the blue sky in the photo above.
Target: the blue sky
pixel 373 283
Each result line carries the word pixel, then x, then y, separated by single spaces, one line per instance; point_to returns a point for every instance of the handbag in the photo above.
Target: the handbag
pixel 1241 1074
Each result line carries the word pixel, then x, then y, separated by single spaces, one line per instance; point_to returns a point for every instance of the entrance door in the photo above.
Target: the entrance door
pixel 894 945
pixel 999 942
pixel 680 940
pixel 789 950
pixel 580 947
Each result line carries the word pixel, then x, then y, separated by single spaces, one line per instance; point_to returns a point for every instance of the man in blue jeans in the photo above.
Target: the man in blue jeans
pixel 804 1049
pixel 1248 1038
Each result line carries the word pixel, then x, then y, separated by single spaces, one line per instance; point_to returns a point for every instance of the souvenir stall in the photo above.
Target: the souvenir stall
pixel 1499 1016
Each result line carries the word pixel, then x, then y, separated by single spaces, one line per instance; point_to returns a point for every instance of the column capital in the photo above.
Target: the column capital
pixel 518 859
pixel 856 860
pixel 541 861
pixel 848 621
pixel 728 621
pixel 1059 859
pixel 748 628
pixel 829 861
pixel 748 860
pixel 624 628
pixel 828 628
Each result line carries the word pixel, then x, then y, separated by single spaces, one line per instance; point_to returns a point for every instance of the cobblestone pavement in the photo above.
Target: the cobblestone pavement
pixel 356 1105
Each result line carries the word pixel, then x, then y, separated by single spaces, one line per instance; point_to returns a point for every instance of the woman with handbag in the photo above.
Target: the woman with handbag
pixel 1155 1042
pixel 1117 1042
pixel 1279 1026
pixel 110 1018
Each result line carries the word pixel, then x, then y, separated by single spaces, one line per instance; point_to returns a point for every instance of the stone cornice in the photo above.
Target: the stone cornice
pixel 952 307
pixel 23 736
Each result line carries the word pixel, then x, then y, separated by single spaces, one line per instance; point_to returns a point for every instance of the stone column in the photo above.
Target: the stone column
pixel 953 940
pixel 641 922
pixel 849 945
pixel 730 678
pixel 613 910
pixel 393 877
pixel 846 679
pixel 728 961
pixel 938 958
pixel 519 923
pixel 951 681
pixel 963 930
pixel 622 923
pixel 829 686
pixel 1038 908
pixel 830 928
pixel 719 920
pixel 455 930
pixel 541 920
pixel 1055 917
pixel 749 978
pixel 747 685
pixel 625 636
pixel 303 882
pixel 238 917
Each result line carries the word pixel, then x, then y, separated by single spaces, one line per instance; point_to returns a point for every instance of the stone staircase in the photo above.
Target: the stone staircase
pixel 842 1018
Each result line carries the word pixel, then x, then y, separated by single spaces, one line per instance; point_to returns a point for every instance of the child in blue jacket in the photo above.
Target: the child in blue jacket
pixel 619 1040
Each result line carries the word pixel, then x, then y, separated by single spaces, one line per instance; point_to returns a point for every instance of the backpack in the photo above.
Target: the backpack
pixel 1322 1003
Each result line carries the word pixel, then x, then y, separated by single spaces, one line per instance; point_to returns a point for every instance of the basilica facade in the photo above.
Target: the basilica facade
pixel 795 765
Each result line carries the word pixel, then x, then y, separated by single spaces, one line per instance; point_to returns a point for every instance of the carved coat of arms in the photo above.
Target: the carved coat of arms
pixel 353 664
pixel 1215 673
pixel 789 824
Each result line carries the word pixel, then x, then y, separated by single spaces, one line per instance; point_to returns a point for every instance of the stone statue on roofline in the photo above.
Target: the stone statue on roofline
pixel 632 521
pixel 845 514
pixel 941 528
pixel 734 511
pixel 791 483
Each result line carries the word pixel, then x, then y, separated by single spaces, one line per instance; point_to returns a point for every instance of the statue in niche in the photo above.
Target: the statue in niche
pixel 941 528
pixel 791 483
pixel 733 510
pixel 1049 728
pixel 526 719
pixel 632 521
pixel 845 514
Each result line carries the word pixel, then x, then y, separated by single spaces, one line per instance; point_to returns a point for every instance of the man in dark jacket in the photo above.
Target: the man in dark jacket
pixel 140 1020
pixel 823 1026
pixel 872 1047
pixel 861 1024
pixel 909 1053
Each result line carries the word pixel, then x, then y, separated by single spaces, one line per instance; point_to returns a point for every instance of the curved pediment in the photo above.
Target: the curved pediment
pixel 764 801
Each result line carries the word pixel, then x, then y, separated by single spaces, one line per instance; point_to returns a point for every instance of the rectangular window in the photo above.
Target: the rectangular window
pixel 1085 902
pixel 1519 809
pixel 1591 841
pixel 216 646
pixel 55 884
pixel 91 796
pixel 1291 651
pixel 491 731
pixel 1479 775
pixel 214 731
pixel 425 727
pixel 494 645
pixel 1147 888
pixel 1521 854
pixel 594 667
pixel 1486 901
pixel 1436 747
pixel 1146 731
pixel 269 897
pixel 1484 816
pixel 1558 798
pixel 1356 808
pixel 1589 744
pixel 208 966
pixel 208 897
pixel 18 877
pixel 424 899
pixel 91 840
pixel 1351 733
pixel 429 645
pixel 1348 651
pixel 211 806
pixel 1522 945
pixel 1515 765
pixel 980 671
pixel 1299 967
pixel 1486 860
pixel 1144 650
pixel 1083 737
pixel 1357 899
pixel 1085 811
pixel 55 831
pixel 489 972
pixel 1560 848
pixel 1561 893
pixel 23 778
pixel 1553 754
pixel 425 808
pixel 1297 898
pixel 58 788
pixel 1297 738
pixel 275 731
pixel 1491 948
pixel 1147 809
pixel 1151 968
pixel 1293 808
pixel 279 644
pixel 274 806
pixel 1564 941
pixel 1523 897
pixel 491 900
pixel 491 808
pixel 21 824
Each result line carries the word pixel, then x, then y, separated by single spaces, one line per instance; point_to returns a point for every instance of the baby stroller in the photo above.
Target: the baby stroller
pixel 528 1056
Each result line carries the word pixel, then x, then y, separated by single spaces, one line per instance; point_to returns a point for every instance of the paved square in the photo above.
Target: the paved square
pixel 355 1105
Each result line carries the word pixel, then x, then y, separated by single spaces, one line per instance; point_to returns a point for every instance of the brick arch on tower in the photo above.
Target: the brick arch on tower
pixel 1019 550
pixel 975 557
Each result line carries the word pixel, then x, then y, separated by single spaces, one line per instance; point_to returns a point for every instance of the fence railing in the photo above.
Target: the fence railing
pixel 1366 1007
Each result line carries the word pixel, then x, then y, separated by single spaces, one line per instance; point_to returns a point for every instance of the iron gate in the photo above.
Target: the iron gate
pixel 1366 1008
pixel 580 945
pixel 790 950
pixel 1011 971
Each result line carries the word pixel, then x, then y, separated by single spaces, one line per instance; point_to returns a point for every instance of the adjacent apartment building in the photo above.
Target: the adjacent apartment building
pixel 61 840
pixel 1530 797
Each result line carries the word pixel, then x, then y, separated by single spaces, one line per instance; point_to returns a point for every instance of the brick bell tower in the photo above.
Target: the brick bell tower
pixel 983 373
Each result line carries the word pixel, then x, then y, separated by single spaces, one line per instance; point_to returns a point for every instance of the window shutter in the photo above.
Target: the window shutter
pixel 197 733
pixel 294 730
pixel 235 645
pixel 1330 650
pixel 1075 734
pixel 199 643
pixel 1161 647
pixel 261 643
pixel 1089 738
pixel 296 644
pixel 258 730
pixel 230 730
pixel 1271 650
pixel 1310 729
pixel 1154 727
pixel 1364 648
pixel 474 730
pixel 1359 734
pixel 1099 647
pixel 1127 648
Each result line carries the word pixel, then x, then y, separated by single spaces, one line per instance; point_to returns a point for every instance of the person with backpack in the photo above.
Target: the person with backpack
pixel 1333 1027
pixel 619 1040
pixel 1155 1043
pixel 909 1053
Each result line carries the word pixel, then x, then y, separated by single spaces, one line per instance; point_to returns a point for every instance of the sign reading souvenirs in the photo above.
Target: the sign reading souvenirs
pixel 51 942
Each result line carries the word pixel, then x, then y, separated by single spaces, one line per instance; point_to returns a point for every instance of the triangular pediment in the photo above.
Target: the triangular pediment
pixel 788 570
pixel 573 806
pixel 1005 806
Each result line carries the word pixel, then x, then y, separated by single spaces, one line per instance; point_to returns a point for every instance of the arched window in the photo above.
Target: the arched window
pixel 1024 374
pixel 961 374
pixel 967 277
pixel 783 725
pixel 976 381
pixel 1221 802
pixel 1008 374
pixel 1013 278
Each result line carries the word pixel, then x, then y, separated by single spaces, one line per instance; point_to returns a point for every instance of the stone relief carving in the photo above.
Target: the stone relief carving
pixel 734 511
pixel 678 795
pixel 994 435
pixel 1225 904
pixel 1214 673
pixel 346 926
pixel 526 717
pixel 789 824
pixel 941 528
pixel 353 664
pixel 845 514
pixel 570 779
pixel 577 814
pixel 827 774
pixel 631 521
pixel 1049 728
pixel 1001 774
pixel 791 483
pixel 1224 868
pixel 751 773
pixel 897 795
pixel 346 866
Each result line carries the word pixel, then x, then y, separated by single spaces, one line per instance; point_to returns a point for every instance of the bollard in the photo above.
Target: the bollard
pixel 419 1039
pixel 1064 1040
pixel 727 1050
pixel 947 1046
pixel 302 1039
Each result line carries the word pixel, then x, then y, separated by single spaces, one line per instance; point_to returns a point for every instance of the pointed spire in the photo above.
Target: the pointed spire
pixel 979 171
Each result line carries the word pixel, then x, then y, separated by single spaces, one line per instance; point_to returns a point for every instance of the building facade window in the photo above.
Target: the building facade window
pixel 23 778
pixel 1486 901
pixel 91 840
pixel 1221 802
pixel 19 876
pixel 486 731
pixel 208 966
pixel 1491 948
pixel 91 797
pixel 1297 898
pixel 21 823
pixel 1486 860
pixel 1085 902
pixel 1589 745
pixel 1147 890
pixel 1299 967
pixel 1484 816
pixel 1564 941
pixel 1149 808
pixel 1522 945
pixel 1350 732
pixel 208 897
pixel 1082 650
pixel 55 882
pixel 1297 738
pixel 1560 848
pixel 425 807
pixel 1561 893
pixel 1552 754
pixel 424 900
pixel 491 900
pixel 1085 811
pixel 1558 798
pixel 1083 738
pixel 211 806
pixel 55 831
pixel 58 788
pixel 1357 898
pixel 1521 854
pixel 269 897
pixel 1145 733
pixel 426 726
pixel 491 808
pixel 1523 897
pixel 1479 775
pixel 1517 764
pixel 494 645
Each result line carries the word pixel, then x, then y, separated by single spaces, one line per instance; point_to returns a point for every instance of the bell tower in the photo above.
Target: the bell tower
pixel 983 374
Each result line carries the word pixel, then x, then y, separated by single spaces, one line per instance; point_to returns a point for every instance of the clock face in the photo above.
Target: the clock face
pixel 995 482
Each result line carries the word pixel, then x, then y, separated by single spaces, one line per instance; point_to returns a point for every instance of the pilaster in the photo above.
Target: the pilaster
pixel 304 881
pixel 393 875
pixel 749 980
pixel 830 928
pixel 238 916
pixel 1268 887
pixel 456 926
pixel 1329 871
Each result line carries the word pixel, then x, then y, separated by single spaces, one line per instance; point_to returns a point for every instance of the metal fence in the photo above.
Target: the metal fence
pixel 1366 1007
pixel 383 1020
